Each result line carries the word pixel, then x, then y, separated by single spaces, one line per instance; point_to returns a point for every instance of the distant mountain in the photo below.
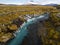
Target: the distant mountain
pixel 11 4
pixel 31 3
pixel 28 3
pixel 8 4
pixel 2 4
pixel 51 4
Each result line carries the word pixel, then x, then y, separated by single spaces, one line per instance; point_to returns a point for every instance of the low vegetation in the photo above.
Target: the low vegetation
pixel 10 21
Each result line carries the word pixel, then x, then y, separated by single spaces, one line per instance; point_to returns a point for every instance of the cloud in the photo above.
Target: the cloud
pixel 26 1
pixel 51 1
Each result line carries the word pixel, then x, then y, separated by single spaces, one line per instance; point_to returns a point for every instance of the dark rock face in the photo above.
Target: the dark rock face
pixel 32 38
pixel 18 22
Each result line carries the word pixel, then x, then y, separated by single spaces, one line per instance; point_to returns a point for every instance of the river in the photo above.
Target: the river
pixel 23 30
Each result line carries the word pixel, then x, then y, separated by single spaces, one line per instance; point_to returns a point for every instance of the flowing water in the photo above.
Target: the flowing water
pixel 23 30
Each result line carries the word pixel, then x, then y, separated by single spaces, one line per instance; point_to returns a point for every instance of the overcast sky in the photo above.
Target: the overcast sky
pixel 26 1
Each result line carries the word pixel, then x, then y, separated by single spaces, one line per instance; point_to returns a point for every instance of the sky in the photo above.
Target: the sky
pixel 26 1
